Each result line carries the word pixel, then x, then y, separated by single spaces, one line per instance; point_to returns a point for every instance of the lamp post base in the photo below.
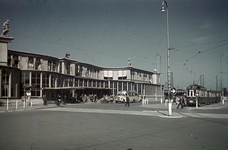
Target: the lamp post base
pixel 170 109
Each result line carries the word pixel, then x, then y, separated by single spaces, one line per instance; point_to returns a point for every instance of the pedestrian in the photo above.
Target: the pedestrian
pixel 59 100
pixel 180 102
pixel 45 100
pixel 127 101
pixel 95 98
pixel 85 98
pixel 175 100
pixel 183 103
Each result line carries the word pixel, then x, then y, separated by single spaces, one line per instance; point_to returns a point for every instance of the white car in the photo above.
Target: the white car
pixel 133 96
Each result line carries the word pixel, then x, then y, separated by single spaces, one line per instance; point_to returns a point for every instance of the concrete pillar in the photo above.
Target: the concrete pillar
pixel 4 40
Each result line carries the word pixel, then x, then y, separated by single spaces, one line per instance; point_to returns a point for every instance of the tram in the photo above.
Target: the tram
pixel 204 96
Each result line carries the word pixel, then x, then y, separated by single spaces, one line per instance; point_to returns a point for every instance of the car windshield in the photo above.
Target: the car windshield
pixel 122 93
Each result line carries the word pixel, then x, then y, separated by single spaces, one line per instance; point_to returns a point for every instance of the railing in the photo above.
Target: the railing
pixel 19 104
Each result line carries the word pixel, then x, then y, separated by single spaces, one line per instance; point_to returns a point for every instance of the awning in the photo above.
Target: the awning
pixel 76 88
pixel 64 88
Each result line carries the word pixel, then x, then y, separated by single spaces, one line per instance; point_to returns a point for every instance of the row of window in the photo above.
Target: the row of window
pixel 56 66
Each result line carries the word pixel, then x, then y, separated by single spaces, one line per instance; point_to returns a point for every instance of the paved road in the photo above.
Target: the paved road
pixel 114 126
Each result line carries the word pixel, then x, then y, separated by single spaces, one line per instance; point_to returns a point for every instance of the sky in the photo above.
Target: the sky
pixel 106 33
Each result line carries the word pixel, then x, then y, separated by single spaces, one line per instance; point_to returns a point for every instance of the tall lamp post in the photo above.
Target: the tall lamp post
pixel 160 75
pixel 221 76
pixel 164 3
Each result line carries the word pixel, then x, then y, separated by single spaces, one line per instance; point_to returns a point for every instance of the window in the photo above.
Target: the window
pixel 132 75
pixel 98 83
pixel 106 84
pixel 111 84
pixel 31 63
pixel 76 70
pixel 139 88
pixel 80 82
pixel 80 71
pixel 108 75
pixel 85 83
pixel 38 64
pixel 122 74
pixel 90 85
pixel 76 83
pixel 66 82
pixel 54 66
pixel 5 83
pixel 94 83
pixel 15 61
pixel 36 84
pixel 68 68
pixel 52 81
pixel 124 85
pixel 71 83
pixel 25 78
pixel 60 67
pixel 49 65
pixel 45 80
pixel 120 86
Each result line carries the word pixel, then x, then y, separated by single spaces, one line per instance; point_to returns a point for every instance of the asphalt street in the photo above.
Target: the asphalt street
pixel 95 126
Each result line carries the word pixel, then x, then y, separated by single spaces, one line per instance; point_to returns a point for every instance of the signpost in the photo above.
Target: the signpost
pixel 197 95
pixel 173 91
pixel 28 94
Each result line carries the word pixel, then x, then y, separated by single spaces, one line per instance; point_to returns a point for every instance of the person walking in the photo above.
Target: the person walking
pixel 183 103
pixel 175 100
pixel 180 102
pixel 127 101
pixel 45 100
pixel 95 98
pixel 58 100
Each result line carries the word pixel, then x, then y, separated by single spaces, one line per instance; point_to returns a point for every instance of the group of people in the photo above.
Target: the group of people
pixel 85 98
pixel 181 101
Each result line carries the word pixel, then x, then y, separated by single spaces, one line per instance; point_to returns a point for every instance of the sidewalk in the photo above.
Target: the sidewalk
pixel 190 110
pixel 20 108
pixel 158 105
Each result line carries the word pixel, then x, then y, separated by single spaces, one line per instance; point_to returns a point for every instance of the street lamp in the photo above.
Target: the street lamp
pixel 160 75
pixel 221 75
pixel 164 3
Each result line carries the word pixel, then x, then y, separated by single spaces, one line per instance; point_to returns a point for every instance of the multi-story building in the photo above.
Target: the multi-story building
pixel 52 76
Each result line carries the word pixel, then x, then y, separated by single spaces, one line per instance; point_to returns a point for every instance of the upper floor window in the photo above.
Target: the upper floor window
pixel 60 67
pixel 68 68
pixel 108 74
pixel 13 60
pixel 122 74
pixel 38 64
pixel 30 63
pixel 76 70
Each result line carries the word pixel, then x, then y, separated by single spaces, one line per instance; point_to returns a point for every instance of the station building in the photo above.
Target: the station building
pixel 52 76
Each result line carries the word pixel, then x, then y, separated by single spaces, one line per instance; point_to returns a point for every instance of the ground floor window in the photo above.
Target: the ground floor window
pixel 5 83
pixel 36 84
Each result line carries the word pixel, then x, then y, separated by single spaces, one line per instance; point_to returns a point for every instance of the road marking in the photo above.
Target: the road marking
pixel 206 115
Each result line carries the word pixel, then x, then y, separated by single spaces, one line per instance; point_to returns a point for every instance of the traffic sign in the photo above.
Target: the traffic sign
pixel 197 94
pixel 28 93
pixel 173 91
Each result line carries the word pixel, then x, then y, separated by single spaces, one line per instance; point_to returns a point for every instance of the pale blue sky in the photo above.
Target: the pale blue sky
pixel 107 32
